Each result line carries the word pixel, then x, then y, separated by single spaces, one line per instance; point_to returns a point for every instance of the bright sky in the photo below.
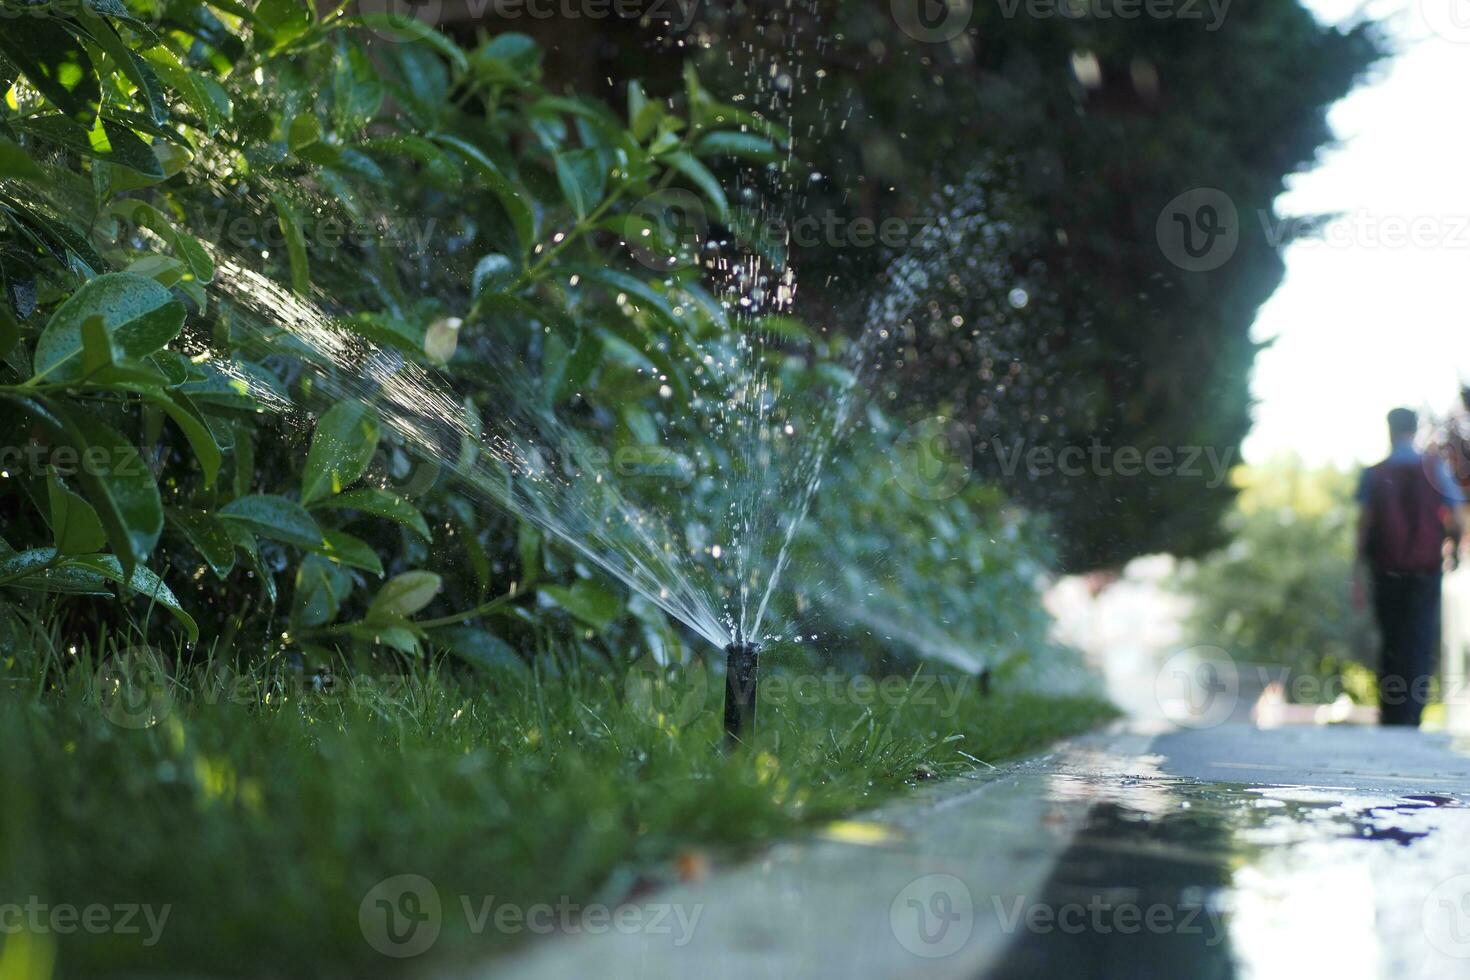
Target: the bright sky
pixel 1364 322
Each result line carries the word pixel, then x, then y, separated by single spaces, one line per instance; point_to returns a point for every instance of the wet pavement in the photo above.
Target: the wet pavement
pixel 1332 851
pixel 1223 852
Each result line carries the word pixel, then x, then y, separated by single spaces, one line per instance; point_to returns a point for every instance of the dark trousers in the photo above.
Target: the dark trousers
pixel 1407 610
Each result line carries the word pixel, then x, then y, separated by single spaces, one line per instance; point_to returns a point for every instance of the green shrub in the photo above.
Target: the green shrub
pixel 221 230
pixel 1280 592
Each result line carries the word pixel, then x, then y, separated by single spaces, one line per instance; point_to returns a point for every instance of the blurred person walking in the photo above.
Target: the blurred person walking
pixel 1410 508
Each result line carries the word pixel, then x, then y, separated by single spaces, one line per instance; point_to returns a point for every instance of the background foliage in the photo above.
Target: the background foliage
pixel 1280 593
pixel 182 184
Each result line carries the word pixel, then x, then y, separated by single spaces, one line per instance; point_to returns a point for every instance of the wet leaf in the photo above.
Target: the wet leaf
pixel 403 595
pixel 75 527
pixel 277 518
pixel 342 446
pixel 138 314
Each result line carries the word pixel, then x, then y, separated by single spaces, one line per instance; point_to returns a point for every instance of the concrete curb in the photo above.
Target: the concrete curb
pixel 897 892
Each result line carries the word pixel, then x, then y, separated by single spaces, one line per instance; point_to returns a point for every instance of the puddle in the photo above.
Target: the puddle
pixel 1174 877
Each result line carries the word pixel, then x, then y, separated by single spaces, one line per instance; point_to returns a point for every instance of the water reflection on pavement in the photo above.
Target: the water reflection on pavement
pixel 1351 859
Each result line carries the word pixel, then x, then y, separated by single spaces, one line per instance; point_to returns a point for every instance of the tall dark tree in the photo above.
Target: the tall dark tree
pixel 1068 316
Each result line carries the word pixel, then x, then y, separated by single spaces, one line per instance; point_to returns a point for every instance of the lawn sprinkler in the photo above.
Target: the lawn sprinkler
pixel 741 662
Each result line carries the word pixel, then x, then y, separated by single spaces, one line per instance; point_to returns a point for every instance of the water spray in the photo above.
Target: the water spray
pixel 741 661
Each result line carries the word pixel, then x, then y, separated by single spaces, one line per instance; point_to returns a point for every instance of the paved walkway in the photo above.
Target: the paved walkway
pixel 1217 852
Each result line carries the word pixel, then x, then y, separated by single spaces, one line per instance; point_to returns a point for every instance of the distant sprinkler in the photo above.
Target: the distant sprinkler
pixel 741 662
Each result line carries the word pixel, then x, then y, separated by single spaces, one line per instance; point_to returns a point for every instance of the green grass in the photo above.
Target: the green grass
pixel 262 812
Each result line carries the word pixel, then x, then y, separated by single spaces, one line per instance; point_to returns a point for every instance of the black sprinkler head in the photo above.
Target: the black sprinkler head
pixel 740 679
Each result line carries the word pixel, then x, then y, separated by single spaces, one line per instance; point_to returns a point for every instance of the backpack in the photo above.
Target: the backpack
pixel 1405 530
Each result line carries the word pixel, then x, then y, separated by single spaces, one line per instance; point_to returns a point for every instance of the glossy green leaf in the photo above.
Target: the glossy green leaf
pixel 75 528
pixel 126 61
pixel 55 63
pixel 185 246
pixel 285 19
pixel 290 223
pixel 345 549
pixel 165 270
pixel 196 429
pixel 708 184
pixel 97 350
pixel 401 637
pixel 357 91
pixel 409 29
pixel 209 536
pixel 245 541
pixel 43 570
pixel 107 140
pixel 747 146
pixel 479 647
pixel 493 273
pixel 117 483
pixel 379 503
pixel 587 601
pixel 321 588
pixel 210 104
pixel 514 202
pixel 139 315
pixel 141 581
pixel 644 114
pixel 16 163
pixel 277 518
pixel 17 565
pixel 583 179
pixel 508 58
pixel 422 84
pixel 342 446
pixel 403 595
